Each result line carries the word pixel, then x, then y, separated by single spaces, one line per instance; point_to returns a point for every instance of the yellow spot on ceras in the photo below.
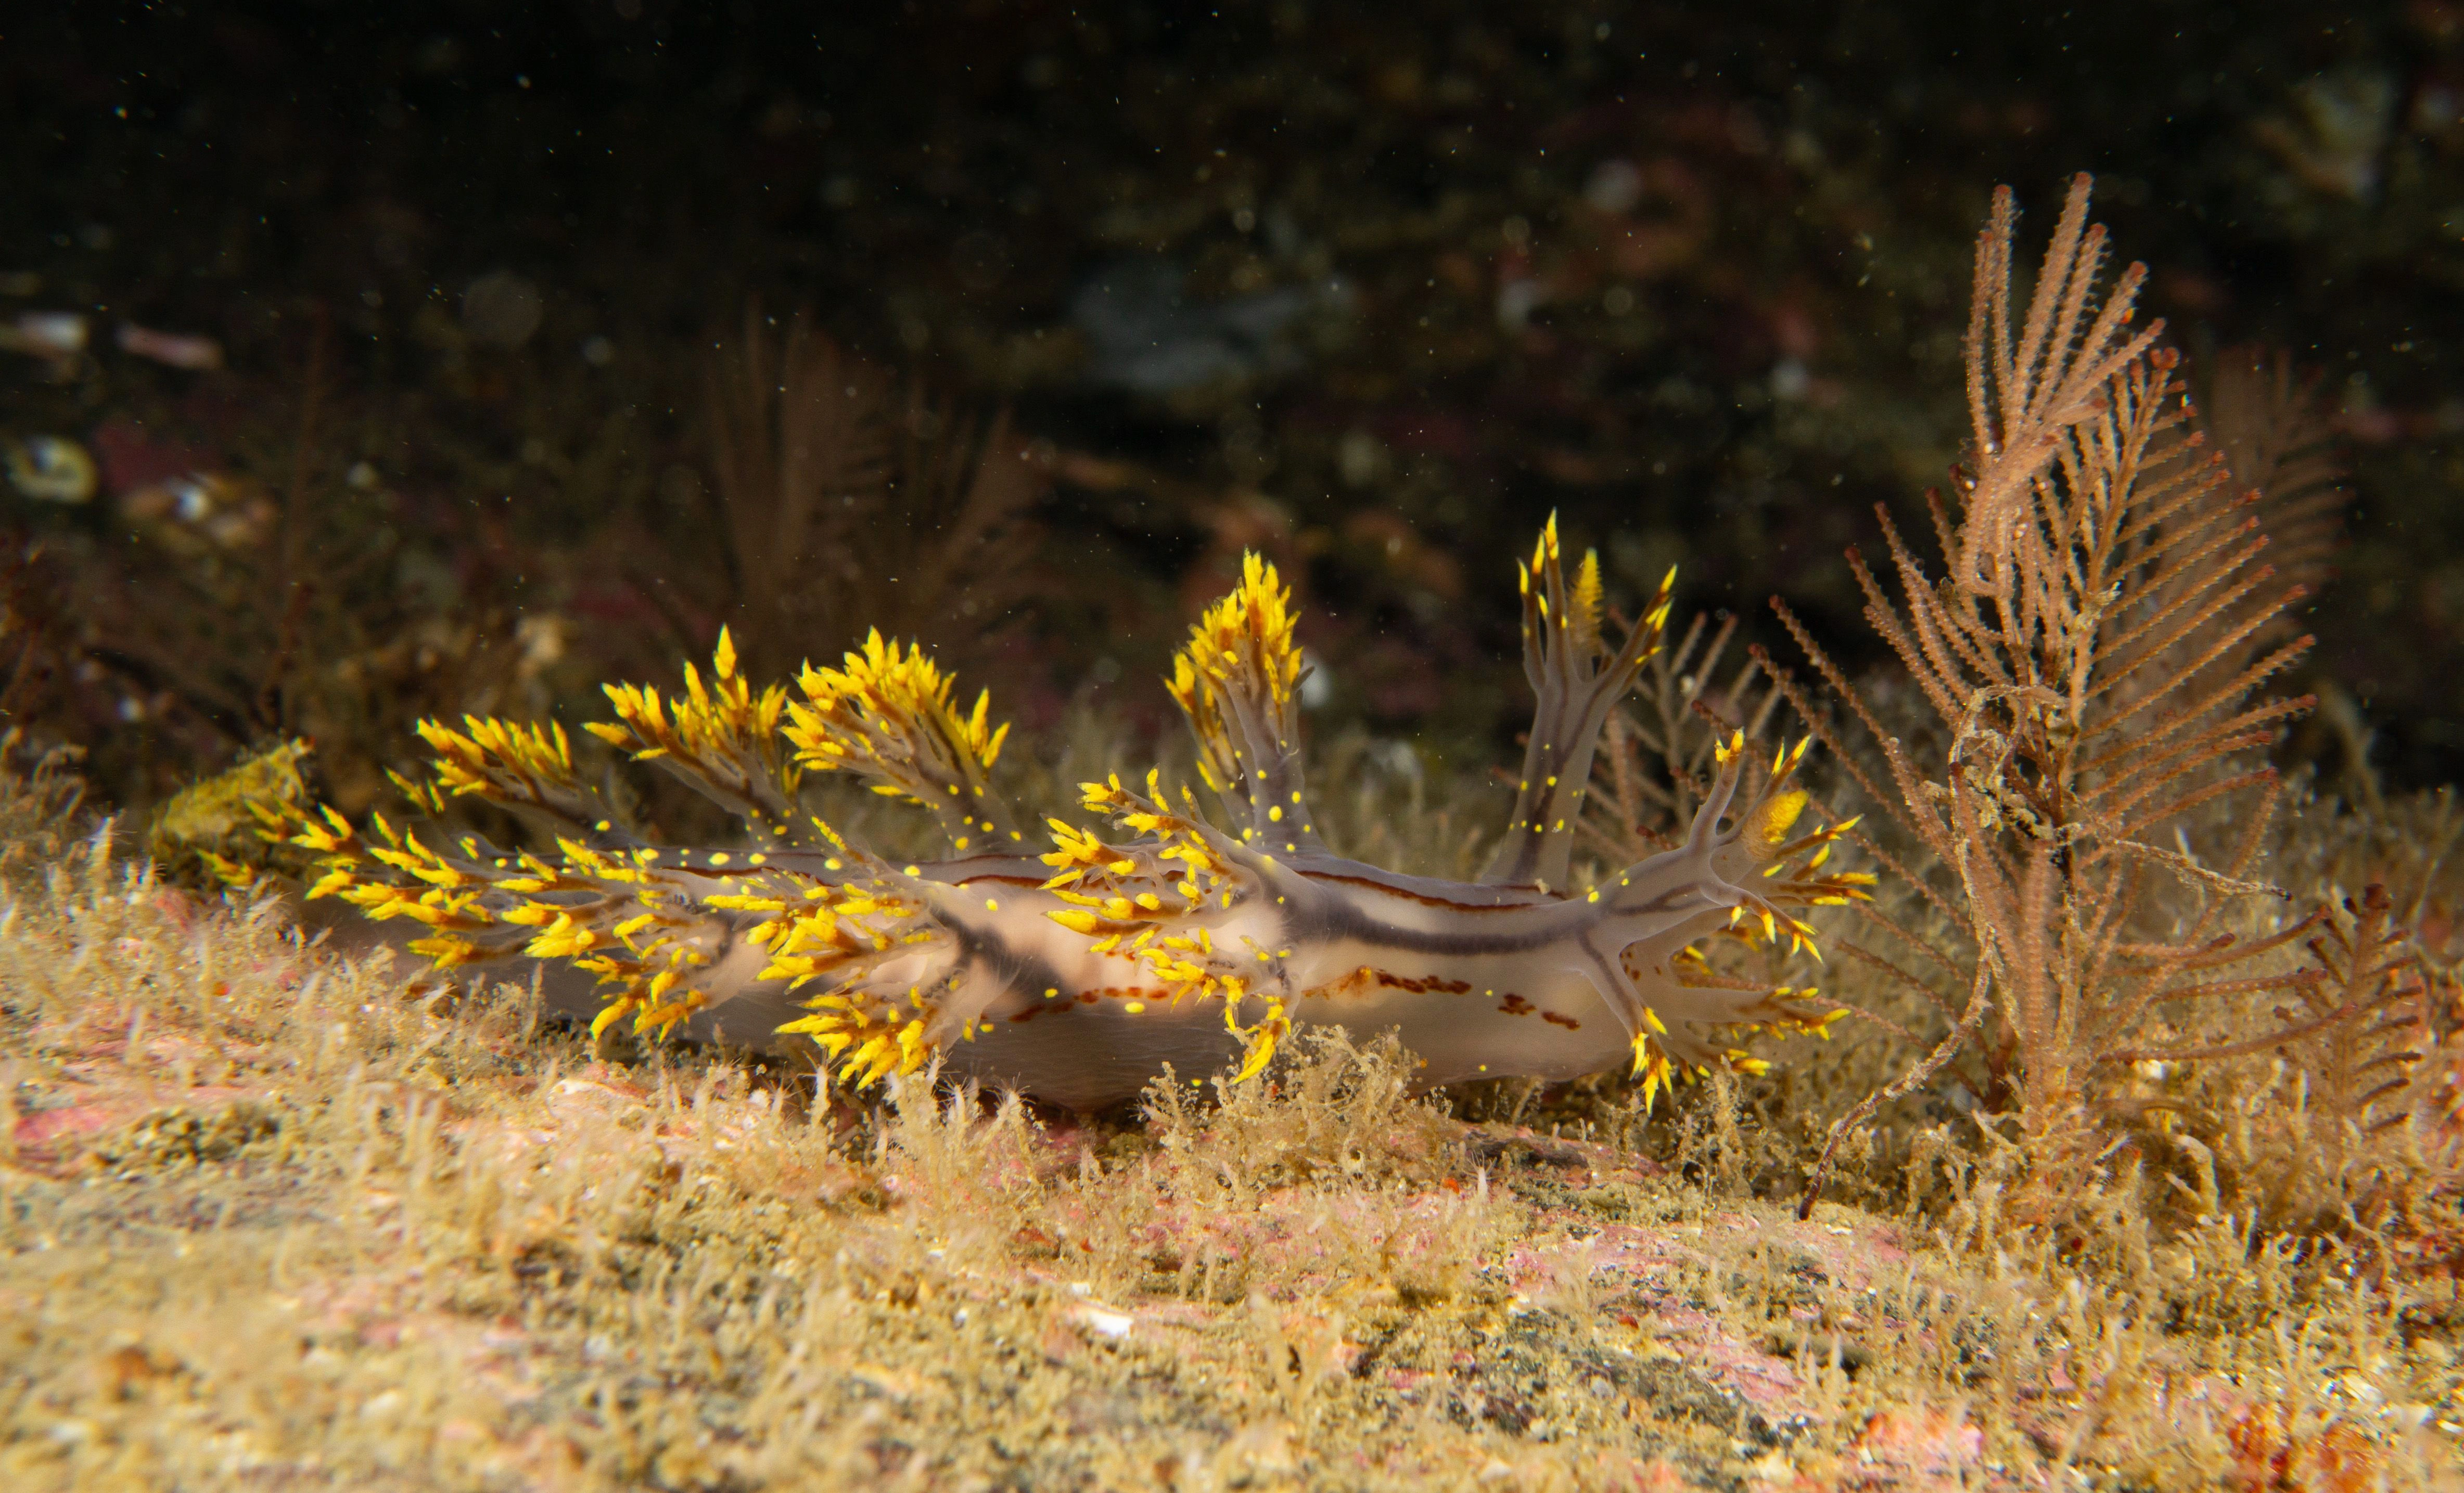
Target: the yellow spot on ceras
pixel 1275 812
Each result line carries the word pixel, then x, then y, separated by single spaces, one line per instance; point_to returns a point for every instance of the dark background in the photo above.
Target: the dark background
pixel 1374 287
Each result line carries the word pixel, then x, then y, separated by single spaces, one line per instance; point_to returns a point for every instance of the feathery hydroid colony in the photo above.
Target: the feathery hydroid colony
pixel 1078 973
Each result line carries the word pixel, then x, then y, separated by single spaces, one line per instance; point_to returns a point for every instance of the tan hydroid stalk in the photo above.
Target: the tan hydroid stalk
pixel 2098 656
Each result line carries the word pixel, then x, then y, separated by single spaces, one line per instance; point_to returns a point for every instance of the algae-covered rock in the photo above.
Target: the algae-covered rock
pixel 208 832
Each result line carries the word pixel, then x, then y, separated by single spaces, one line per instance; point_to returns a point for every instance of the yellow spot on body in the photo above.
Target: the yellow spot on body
pixel 756 858
pixel 718 858
pixel 913 871
pixel 1134 1007
pixel 990 906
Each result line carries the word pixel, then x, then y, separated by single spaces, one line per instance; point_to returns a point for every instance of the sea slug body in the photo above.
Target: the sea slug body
pixel 1077 972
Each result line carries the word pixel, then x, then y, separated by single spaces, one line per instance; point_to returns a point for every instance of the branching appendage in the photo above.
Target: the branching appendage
pixel 1659 752
pixel 1157 902
pixel 2273 430
pixel 884 715
pixel 2360 1023
pixel 884 963
pixel 721 741
pixel 848 502
pixel 1577 680
pixel 802 453
pixel 527 770
pixel 620 915
pixel 2096 658
pixel 1238 680
pixel 1757 873
pixel 2024 396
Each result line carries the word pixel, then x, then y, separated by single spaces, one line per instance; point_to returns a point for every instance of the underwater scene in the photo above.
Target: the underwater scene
pixel 1274 746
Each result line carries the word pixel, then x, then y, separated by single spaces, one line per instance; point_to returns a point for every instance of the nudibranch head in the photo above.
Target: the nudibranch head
pixel 1159 935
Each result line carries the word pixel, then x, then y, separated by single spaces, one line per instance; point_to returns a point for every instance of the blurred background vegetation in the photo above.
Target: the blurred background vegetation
pixel 354 368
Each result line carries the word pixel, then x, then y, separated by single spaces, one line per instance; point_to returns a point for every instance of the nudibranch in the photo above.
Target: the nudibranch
pixel 1163 935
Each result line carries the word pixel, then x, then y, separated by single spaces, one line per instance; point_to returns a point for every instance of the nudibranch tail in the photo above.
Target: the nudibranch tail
pixel 1155 936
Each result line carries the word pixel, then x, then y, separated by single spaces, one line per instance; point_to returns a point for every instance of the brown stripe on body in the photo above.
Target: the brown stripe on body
pixel 1427 899
pixel 1096 997
pixel 1368 979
